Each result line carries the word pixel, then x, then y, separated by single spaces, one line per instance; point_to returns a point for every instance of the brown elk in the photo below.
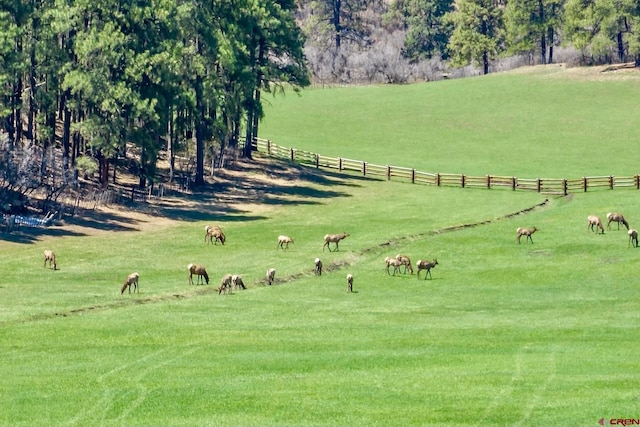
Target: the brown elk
pixel 522 231
pixel 50 257
pixel 283 242
pixel 633 238
pixel 349 282
pixel 237 282
pixel 406 261
pixel 594 221
pixel 198 270
pixel 225 284
pixel 426 265
pixel 131 280
pixel 271 274
pixel 390 261
pixel 616 217
pixel 333 238
pixel 318 268
pixel 214 232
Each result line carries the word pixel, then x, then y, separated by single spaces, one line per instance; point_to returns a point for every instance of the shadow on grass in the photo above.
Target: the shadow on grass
pixel 227 198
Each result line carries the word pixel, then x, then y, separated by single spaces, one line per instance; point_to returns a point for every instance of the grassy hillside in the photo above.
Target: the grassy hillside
pixel 503 334
pixel 550 122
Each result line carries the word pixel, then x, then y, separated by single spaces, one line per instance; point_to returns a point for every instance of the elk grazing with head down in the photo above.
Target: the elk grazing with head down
pixel 594 221
pixel 131 280
pixel 616 217
pixel 50 257
pixel 318 267
pixel 406 261
pixel 633 238
pixel 333 238
pixel 271 274
pixel 214 234
pixel 349 282
pixel 225 284
pixel 283 242
pixel 522 231
pixel 426 265
pixel 198 270
pixel 390 261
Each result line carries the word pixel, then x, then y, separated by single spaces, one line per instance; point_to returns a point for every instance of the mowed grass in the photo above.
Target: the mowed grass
pixel 503 334
pixel 549 122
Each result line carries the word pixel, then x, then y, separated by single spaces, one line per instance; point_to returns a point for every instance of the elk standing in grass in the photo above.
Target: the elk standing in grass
pixel 595 221
pixel 333 238
pixel 349 282
pixel 522 231
pixel 50 257
pixel 616 217
pixel 271 274
pixel 633 238
pixel 225 284
pixel 199 270
pixel 426 265
pixel 390 261
pixel 214 232
pixel 131 280
pixel 404 260
pixel 283 242
pixel 237 282
pixel 318 268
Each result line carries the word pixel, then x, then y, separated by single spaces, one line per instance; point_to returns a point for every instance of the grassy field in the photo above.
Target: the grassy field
pixel 550 120
pixel 503 334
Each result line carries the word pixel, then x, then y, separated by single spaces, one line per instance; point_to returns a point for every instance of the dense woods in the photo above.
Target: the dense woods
pixel 83 83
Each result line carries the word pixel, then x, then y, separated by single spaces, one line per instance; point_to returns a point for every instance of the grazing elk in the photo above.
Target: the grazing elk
pixel 616 217
pixel 404 260
pixel 214 232
pixel 198 270
pixel 271 274
pixel 131 280
pixel 426 265
pixel 595 221
pixel 522 231
pixel 333 238
pixel 283 242
pixel 390 261
pixel 633 238
pixel 50 257
pixel 237 282
pixel 349 282
pixel 318 267
pixel 225 284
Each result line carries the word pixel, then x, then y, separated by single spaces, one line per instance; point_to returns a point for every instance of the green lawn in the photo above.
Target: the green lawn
pixel 503 334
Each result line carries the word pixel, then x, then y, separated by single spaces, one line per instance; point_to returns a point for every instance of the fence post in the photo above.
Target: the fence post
pixel 268 146
pixel 565 186
pixel 438 179
pixel 364 168
pixel 292 152
pixel 413 176
pixel 513 183
pixel 585 183
pixel 462 179
pixel 388 172
pixel 610 182
pixel 133 192
pixel 637 182
pixel 539 185
pixel 340 164
pixel 489 182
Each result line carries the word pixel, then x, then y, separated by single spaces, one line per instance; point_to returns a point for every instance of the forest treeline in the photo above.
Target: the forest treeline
pixel 84 81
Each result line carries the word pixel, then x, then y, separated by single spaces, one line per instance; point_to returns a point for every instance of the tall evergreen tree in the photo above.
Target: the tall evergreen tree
pixel 478 35
pixel 532 27
pixel 427 31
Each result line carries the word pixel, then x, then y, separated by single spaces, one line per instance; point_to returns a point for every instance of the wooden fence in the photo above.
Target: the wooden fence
pixel 540 185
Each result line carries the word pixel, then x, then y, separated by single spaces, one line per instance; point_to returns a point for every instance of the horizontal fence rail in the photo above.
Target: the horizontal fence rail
pixel 540 185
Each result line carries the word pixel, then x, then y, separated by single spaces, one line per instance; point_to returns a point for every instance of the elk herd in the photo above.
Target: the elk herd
pixel 393 265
